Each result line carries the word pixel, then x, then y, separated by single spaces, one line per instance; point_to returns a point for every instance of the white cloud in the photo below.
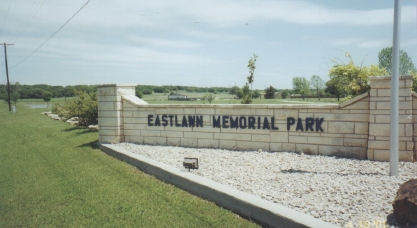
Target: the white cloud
pixel 164 42
pixel 359 42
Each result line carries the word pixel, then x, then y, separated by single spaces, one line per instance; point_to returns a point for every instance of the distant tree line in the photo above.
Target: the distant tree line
pixel 38 91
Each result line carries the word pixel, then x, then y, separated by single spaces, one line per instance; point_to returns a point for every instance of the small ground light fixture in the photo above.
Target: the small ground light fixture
pixel 190 163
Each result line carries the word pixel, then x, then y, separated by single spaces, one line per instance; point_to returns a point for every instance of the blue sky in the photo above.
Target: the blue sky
pixel 195 43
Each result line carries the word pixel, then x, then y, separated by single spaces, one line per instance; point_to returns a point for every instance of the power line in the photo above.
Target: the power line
pixel 7 14
pixel 23 21
pixel 52 35
pixel 29 21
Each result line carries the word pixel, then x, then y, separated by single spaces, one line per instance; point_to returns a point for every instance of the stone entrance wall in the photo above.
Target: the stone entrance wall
pixel 358 128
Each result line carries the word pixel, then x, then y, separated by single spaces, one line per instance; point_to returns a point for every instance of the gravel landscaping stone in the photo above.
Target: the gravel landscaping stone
pixel 345 192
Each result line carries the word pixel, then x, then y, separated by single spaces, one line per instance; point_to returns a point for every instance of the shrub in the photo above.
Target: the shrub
pixel 139 93
pixel 84 107
pixel 346 98
pixel 256 94
pixel 284 94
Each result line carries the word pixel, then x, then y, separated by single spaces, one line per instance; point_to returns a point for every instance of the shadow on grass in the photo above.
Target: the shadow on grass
pixel 74 128
pixel 86 131
pixel 94 144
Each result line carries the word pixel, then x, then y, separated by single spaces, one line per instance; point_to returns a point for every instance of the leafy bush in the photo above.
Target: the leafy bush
pixel 284 94
pixel 139 93
pixel 84 107
pixel 246 99
pixel 346 98
pixel 256 94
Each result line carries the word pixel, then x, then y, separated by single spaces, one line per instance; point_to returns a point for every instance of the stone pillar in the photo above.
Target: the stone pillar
pixel 110 112
pixel 379 119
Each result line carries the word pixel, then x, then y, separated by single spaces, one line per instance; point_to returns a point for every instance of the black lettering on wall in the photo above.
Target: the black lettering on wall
pixel 150 120
pixel 299 125
pixel 170 119
pixel 176 122
pixel 164 120
pixel 309 124
pixel 191 121
pixel 234 122
pixel 242 122
pixel 273 124
pixel 225 120
pixel 216 123
pixel 184 122
pixel 157 121
pixel 266 124
pixel 251 122
pixel 318 124
pixel 290 121
pixel 199 121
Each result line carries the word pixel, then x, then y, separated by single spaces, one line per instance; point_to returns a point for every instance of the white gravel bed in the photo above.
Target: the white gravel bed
pixel 337 190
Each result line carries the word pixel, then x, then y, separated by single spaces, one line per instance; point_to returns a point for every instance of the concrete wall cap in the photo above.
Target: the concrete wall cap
pixel 354 100
pixel 134 100
pixel 116 85
pixel 388 77
pixel 266 106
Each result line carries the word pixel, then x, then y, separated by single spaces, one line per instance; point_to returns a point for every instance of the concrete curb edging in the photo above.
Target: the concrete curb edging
pixel 247 205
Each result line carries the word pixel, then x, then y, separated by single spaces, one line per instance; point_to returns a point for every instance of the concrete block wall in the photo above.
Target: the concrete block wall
pixel 340 134
pixel 110 111
pixel 414 120
pixel 379 119
pixel 355 129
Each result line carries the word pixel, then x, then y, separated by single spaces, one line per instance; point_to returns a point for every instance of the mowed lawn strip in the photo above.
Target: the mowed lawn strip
pixel 51 176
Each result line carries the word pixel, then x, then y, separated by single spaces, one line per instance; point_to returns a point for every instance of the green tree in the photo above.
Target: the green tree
pixel 301 86
pixel 414 86
pixel 385 61
pixel 284 94
pixel 209 97
pixel 270 92
pixel 317 83
pixel 3 94
pixel 353 79
pixel 14 96
pixel 239 94
pixel 233 90
pixel 335 87
pixel 147 91
pixel 47 98
pixel 246 99
pixel 252 67
pixel 256 94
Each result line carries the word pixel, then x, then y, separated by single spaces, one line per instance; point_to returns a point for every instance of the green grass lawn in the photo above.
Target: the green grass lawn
pixel 52 176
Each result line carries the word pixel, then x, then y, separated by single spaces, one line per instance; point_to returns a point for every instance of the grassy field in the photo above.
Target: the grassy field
pixel 51 175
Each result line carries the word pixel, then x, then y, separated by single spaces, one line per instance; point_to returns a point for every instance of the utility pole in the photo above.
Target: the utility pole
pixel 394 91
pixel 7 74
